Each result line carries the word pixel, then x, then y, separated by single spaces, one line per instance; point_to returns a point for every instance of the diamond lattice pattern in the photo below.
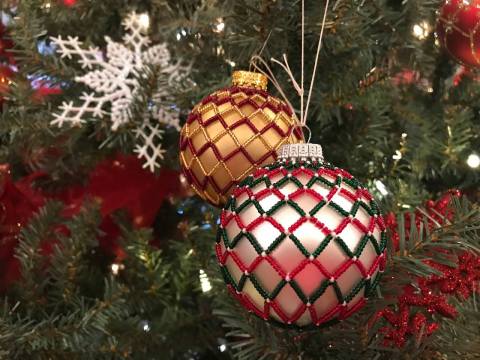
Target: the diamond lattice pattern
pixel 231 133
pixel 301 243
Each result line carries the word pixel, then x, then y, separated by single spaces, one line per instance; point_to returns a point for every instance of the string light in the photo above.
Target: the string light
pixel 145 326
pixel 222 345
pixel 116 268
pixel 144 21
pixel 181 33
pixel 381 187
pixel 473 161
pixel 219 26
pixel 204 281
pixel 421 30
pixel 397 155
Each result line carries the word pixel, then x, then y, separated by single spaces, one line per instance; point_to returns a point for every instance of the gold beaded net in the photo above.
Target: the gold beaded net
pixel 231 133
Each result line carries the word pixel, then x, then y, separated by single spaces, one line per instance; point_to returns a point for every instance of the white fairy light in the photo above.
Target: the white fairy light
pixel 116 268
pixel 381 187
pixel 473 161
pixel 145 326
pixel 144 21
pixel 204 281
pixel 219 26
pixel 222 348
pixel 421 30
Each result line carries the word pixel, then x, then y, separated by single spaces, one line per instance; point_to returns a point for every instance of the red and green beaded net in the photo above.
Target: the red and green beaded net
pixel 301 243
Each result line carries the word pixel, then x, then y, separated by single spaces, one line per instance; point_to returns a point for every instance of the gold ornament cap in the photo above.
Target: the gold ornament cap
pixel 249 79
pixel 301 152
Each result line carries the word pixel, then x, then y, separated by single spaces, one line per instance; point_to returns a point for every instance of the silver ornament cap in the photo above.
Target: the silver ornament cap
pixel 301 152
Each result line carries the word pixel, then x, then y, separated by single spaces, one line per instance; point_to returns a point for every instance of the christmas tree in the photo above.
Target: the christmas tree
pixel 107 252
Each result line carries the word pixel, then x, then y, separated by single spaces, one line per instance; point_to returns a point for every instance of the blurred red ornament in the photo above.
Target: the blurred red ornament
pixel 118 183
pixel 18 202
pixel 5 75
pixel 121 183
pixel 69 2
pixel 5 45
pixel 43 92
pixel 406 77
pixel 457 30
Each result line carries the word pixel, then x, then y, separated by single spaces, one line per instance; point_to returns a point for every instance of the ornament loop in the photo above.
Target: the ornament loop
pixel 301 151
pixel 249 79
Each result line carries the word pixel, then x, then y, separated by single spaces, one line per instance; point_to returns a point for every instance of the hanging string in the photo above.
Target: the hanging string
pixel 270 76
pixel 303 67
pixel 319 46
pixel 261 50
pixel 299 88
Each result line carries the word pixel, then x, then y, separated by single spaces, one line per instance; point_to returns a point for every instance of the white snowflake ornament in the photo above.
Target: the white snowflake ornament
pixel 114 79
pixel 150 151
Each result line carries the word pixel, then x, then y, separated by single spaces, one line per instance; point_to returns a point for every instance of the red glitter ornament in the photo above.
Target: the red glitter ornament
pixel 457 30
pixel 417 304
pixel 437 211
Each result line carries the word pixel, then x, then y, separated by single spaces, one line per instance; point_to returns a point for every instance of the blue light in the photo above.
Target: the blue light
pixel 46 49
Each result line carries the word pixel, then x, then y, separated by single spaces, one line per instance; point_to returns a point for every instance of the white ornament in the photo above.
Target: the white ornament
pixel 114 80
pixel 150 151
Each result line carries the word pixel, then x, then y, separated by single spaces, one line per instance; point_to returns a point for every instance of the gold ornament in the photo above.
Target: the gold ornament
pixel 231 133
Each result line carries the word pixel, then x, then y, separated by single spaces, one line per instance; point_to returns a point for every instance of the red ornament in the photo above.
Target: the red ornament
pixel 417 304
pixel 457 30
pixel 18 202
pixel 69 3
pixel 438 211
pixel 5 75
pixel 121 183
pixel 43 92
pixel 118 183
pixel 5 45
